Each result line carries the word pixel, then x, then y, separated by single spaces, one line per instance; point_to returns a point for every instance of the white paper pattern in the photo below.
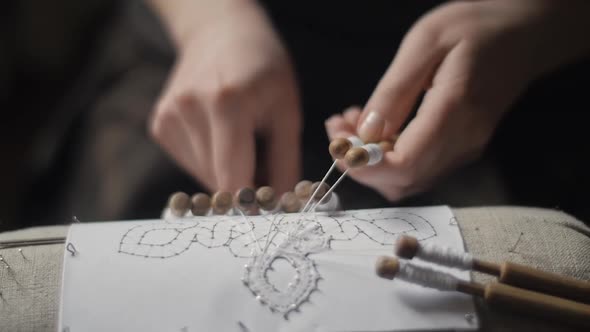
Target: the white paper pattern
pixel 189 274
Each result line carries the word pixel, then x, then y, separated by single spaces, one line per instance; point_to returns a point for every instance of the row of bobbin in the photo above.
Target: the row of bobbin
pixel 356 153
pixel 264 200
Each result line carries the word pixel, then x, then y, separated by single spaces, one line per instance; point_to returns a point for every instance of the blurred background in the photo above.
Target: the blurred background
pixel 78 81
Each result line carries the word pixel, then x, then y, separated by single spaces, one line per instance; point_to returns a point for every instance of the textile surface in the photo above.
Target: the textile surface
pixel 547 239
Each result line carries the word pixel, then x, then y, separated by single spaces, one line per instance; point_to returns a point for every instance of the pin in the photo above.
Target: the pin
pixel 71 249
pixel 75 220
pixel 20 251
pixel 4 261
pixel 200 204
pixel 179 204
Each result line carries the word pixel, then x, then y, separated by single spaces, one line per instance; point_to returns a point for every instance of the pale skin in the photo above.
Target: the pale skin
pixel 472 59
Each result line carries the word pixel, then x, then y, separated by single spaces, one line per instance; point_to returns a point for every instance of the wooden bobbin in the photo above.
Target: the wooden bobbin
pixel 338 147
pixel 406 246
pixel 266 198
pixel 179 203
pixel 201 203
pixel 545 282
pixel 221 202
pixel 245 198
pixel 321 192
pixel 303 190
pixel 290 203
pixel 505 297
pixel 387 267
pixel 356 157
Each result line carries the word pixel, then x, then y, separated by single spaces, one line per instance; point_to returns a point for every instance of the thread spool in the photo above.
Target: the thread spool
pixel 368 154
pixel 200 204
pixel 331 205
pixel 266 198
pixel 221 202
pixel 179 204
pixel 409 247
pixel 303 190
pixel 290 203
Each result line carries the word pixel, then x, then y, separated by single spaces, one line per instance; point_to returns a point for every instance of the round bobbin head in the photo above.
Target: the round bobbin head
pixel 246 198
pixel 338 147
pixel 179 203
pixel 387 267
pixel 406 246
pixel 266 198
pixel 356 157
pixel 221 202
pixel 303 189
pixel 200 204
pixel 290 203
pixel 321 192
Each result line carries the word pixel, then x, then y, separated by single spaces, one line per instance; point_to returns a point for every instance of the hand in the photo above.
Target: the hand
pixel 232 80
pixel 472 59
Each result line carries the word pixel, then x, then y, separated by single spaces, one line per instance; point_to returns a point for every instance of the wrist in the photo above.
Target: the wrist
pixel 185 18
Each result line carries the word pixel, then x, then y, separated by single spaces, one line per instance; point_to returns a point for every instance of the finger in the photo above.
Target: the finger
pixel 195 124
pixel 338 127
pixel 284 151
pixel 418 57
pixel 233 145
pixel 352 115
pixel 169 131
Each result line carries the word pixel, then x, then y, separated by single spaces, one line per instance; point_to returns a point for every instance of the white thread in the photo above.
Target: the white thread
pixel 311 198
pixel 444 255
pixel 375 153
pixel 355 141
pixel 426 277
pixel 330 206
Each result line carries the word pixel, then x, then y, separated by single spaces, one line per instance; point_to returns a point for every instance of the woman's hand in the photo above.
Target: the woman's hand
pixel 472 59
pixel 232 79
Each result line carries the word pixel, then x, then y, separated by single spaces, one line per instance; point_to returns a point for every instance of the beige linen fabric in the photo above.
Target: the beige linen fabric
pixel 550 240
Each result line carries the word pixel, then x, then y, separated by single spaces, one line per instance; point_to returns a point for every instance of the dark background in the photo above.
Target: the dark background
pixel 78 81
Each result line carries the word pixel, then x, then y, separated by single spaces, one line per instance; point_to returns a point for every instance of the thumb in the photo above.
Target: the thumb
pixel 398 90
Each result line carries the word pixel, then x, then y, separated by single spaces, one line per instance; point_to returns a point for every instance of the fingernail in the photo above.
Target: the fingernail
pixel 372 127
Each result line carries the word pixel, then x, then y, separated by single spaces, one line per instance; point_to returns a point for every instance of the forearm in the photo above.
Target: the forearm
pixel 183 17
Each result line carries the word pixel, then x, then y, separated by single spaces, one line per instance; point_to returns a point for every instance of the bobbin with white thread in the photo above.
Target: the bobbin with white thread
pixel 507 272
pixel 331 205
pixel 409 247
pixel 368 154
pixel 200 204
pixel 495 294
pixel 179 204
pixel 339 146
pixel 389 268
pixel 267 200
pixel 221 202
pixel 303 190
pixel 290 203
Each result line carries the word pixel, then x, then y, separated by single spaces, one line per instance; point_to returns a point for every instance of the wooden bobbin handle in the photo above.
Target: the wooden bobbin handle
pixel 544 282
pixel 541 305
